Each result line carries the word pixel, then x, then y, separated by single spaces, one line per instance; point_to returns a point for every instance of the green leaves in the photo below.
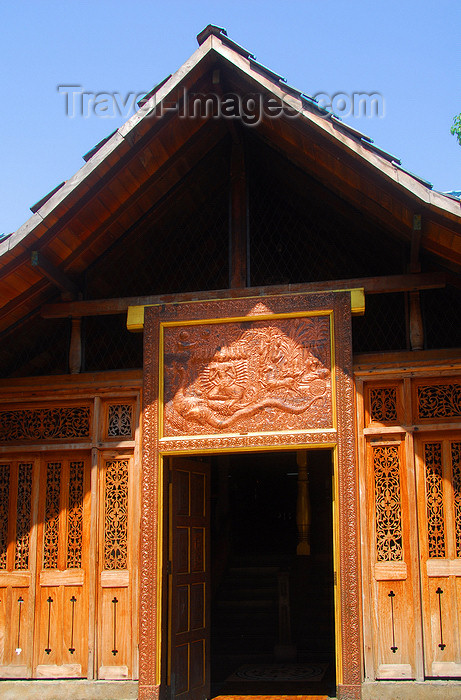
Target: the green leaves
pixel 456 127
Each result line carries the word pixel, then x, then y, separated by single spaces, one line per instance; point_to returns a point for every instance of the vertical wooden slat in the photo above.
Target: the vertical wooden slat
pixel 135 525
pixel 238 216
pixel 369 662
pixel 413 559
pixel 93 570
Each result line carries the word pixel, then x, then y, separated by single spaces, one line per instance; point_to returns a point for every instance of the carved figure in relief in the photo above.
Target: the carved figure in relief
pixel 263 370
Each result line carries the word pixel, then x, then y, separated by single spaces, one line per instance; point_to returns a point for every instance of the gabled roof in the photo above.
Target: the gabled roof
pixel 135 166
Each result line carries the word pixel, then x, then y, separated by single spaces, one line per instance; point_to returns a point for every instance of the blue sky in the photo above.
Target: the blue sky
pixel 407 51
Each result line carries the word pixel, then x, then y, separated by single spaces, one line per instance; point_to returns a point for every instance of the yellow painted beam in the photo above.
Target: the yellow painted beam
pixel 135 316
pixel 357 301
pixel 135 319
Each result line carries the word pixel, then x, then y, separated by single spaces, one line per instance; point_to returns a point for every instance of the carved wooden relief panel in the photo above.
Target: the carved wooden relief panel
pixel 248 376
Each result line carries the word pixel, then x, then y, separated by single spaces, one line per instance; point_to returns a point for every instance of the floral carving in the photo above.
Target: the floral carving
pixel 456 464
pixel 23 516
pixel 4 503
pixel 51 524
pixel 254 376
pixel 45 423
pixel 434 500
pixel 383 404
pixel 388 511
pixel 116 515
pixel 439 401
pixel 75 516
pixel 120 420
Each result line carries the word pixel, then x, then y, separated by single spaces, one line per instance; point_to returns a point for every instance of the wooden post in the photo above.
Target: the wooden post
pixel 75 350
pixel 303 506
pixel 416 319
pixel 238 240
pixel 416 322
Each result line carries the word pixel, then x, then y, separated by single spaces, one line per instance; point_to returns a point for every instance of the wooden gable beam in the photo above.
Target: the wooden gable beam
pixel 53 273
pixel 371 285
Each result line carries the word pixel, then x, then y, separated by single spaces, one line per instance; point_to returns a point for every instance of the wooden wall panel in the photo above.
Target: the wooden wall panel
pixel 50 546
pixel 422 414
pixel 393 603
pixel 118 525
pixel 438 459
pixel 17 566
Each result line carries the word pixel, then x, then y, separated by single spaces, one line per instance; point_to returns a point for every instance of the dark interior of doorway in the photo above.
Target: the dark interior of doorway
pixel 254 540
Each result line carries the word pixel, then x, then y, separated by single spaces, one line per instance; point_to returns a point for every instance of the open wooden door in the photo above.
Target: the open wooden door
pixel 439 503
pixel 189 580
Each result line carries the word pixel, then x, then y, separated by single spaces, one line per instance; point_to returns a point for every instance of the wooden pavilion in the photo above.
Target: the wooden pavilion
pixel 230 345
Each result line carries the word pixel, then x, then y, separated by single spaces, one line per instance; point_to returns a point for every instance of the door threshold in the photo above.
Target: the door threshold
pixel 272 697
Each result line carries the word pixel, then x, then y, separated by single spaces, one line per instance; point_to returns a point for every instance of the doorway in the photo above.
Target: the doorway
pixel 271 621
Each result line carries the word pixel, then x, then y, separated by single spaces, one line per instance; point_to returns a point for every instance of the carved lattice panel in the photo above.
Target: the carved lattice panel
pixel 439 401
pixel 434 499
pixel 75 515
pixel 388 507
pixel 120 420
pixel 24 516
pixel 115 554
pixel 456 469
pixel 69 422
pixel 52 509
pixel 383 404
pixel 4 508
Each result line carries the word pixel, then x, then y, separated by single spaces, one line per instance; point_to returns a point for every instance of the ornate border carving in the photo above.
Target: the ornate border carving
pixel 347 506
pixel 339 303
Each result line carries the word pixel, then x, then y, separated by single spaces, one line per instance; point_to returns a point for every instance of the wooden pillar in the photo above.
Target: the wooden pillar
pixel 238 239
pixel 414 307
pixel 303 506
pixel 75 350
pixel 416 322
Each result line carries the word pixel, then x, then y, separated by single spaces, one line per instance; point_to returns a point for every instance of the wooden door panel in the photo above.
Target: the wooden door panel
pixel 45 559
pixel 18 491
pixel 61 641
pixel 117 518
pixel 394 590
pixel 61 625
pixel 115 642
pixel 17 645
pixel 189 579
pixel 439 498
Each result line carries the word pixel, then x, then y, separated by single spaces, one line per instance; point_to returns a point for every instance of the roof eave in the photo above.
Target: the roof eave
pixel 125 136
